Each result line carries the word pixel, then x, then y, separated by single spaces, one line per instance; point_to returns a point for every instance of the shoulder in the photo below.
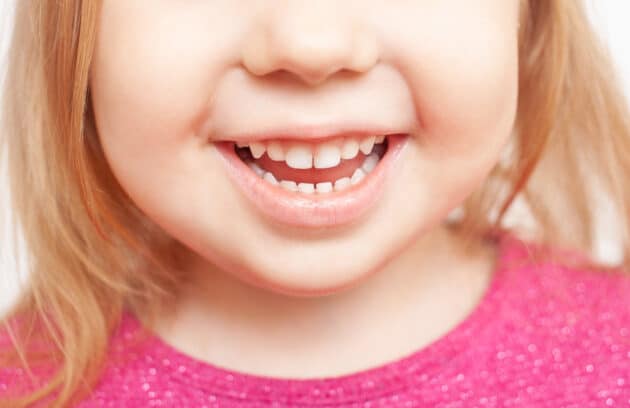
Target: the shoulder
pixel 565 281
pixel 564 324
pixel 569 302
pixel 132 366
pixel 16 378
pixel 124 361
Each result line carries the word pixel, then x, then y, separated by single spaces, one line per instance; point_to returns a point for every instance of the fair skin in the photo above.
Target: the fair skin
pixel 171 80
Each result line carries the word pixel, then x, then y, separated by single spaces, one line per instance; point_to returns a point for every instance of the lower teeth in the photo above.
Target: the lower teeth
pixel 366 168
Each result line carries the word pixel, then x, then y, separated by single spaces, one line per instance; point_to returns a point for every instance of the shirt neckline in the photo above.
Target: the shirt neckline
pixel 380 381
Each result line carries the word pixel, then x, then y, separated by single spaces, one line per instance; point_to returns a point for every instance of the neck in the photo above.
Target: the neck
pixel 420 294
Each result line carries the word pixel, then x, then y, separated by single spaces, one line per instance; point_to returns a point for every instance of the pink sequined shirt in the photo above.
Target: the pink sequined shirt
pixel 543 335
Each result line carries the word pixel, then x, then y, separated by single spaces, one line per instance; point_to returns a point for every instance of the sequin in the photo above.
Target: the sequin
pixel 543 335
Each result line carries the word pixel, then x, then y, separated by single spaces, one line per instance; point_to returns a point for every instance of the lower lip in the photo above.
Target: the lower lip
pixel 297 209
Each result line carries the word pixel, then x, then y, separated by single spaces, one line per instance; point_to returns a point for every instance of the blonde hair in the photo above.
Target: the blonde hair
pixel 92 253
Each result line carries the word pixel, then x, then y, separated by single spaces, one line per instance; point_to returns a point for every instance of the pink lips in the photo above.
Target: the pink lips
pixel 312 210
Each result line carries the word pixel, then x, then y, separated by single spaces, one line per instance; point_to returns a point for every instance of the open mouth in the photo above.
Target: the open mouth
pixel 315 183
pixel 310 168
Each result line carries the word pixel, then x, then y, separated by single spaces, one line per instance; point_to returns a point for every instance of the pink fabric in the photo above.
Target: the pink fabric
pixel 543 335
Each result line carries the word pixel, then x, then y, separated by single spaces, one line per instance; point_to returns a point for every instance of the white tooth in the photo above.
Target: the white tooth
pixel 369 163
pixel 357 176
pixel 325 187
pixel 349 149
pixel 307 188
pixel 327 155
pixel 257 149
pixel 256 168
pixel 379 139
pixel 342 183
pixel 270 178
pixel 275 151
pixel 289 185
pixel 299 157
pixel 241 144
pixel 367 144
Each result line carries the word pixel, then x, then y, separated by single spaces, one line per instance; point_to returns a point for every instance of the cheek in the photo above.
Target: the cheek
pixel 466 110
pixel 151 75
pixel 465 125
pixel 464 79
pixel 151 85
pixel 464 104
pixel 463 74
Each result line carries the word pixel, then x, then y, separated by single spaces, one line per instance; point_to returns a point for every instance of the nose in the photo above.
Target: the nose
pixel 309 39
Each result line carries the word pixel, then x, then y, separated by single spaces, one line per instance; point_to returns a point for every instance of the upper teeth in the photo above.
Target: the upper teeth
pixel 306 156
pixel 369 163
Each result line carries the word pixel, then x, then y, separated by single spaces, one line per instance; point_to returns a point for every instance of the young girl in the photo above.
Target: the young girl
pixel 252 203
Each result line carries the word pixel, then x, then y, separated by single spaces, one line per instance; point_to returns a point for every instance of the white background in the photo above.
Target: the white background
pixel 610 16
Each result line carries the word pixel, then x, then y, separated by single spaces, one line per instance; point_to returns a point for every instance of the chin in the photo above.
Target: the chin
pixel 307 279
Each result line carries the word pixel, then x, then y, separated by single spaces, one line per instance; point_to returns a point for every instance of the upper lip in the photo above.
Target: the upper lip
pixel 313 132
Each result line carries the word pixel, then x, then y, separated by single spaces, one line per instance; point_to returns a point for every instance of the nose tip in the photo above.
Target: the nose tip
pixel 311 50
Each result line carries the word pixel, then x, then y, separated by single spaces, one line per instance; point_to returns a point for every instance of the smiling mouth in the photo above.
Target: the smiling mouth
pixel 313 183
pixel 314 168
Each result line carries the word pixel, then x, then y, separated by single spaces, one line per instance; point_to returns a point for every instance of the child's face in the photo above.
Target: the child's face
pixel 171 79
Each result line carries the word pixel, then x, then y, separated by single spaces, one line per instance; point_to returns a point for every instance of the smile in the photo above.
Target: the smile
pixel 313 183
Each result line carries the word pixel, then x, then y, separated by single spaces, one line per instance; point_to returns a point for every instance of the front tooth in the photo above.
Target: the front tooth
pixel 357 176
pixel 256 168
pixel 342 183
pixel 257 149
pixel 328 155
pixel 299 157
pixel 369 163
pixel 275 151
pixel 349 149
pixel 270 178
pixel 307 188
pixel 379 139
pixel 325 187
pixel 241 144
pixel 289 185
pixel 367 144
